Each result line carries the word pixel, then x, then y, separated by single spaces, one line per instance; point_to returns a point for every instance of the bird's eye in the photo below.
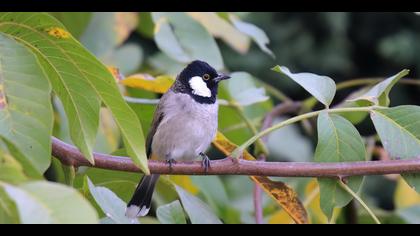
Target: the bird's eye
pixel 206 76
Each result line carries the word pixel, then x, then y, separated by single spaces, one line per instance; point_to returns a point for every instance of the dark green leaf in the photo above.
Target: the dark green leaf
pixel 338 141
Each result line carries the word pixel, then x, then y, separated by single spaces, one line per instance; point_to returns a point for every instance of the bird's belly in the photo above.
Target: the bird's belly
pixel 184 136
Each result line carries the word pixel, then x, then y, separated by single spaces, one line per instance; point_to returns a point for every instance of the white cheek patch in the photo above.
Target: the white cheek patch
pixel 199 87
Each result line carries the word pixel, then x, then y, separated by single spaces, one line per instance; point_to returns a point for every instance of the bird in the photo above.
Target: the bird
pixel 183 127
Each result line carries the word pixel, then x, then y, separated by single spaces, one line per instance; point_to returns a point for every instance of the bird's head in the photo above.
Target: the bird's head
pixel 200 80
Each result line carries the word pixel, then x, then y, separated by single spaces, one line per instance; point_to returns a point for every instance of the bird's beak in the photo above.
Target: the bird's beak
pixel 221 77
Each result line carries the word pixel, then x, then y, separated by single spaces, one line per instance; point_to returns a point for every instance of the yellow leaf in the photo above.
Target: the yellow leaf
pixel 405 196
pixel 285 196
pixel 185 182
pixel 221 28
pixel 58 32
pixel 160 84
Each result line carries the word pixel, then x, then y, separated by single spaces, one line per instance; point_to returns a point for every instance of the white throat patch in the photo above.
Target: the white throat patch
pixel 199 87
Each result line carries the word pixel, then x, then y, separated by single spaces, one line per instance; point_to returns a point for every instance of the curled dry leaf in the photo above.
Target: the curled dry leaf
pixel 279 191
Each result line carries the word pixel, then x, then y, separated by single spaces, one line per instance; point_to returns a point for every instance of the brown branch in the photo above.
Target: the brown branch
pixel 70 155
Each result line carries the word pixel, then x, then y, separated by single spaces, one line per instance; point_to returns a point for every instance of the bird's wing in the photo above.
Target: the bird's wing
pixel 157 118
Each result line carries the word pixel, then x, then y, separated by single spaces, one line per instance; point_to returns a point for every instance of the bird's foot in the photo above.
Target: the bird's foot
pixel 170 162
pixel 205 163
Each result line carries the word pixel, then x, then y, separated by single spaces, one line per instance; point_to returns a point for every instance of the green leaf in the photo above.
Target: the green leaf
pixel 146 24
pixel 379 94
pixel 8 211
pixel 171 213
pixel 184 40
pixel 11 170
pixel 257 34
pixel 197 210
pixel 26 116
pixel 400 135
pixel 49 203
pixel 321 87
pixel 78 78
pixel 75 22
pixel 243 89
pixel 338 141
pixel 113 207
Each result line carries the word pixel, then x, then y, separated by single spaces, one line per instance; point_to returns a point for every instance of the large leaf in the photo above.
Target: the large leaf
pixel 78 78
pixel 400 134
pixel 321 87
pixel 197 210
pixel 113 207
pixel 284 195
pixel 257 34
pixel 184 40
pixel 48 203
pixel 26 116
pixel 171 213
pixel 338 141
pixel 379 94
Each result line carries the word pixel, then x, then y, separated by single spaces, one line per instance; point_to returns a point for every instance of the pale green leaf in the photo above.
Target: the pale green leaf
pixel 171 213
pixel 242 89
pixel 78 78
pixel 379 94
pixel 113 207
pixel 197 210
pixel 26 116
pixel 184 40
pixel 338 141
pixel 400 135
pixel 49 203
pixel 257 34
pixel 321 87
pixel 221 28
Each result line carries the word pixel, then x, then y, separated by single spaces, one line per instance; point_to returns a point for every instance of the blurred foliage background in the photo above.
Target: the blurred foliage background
pixel 341 45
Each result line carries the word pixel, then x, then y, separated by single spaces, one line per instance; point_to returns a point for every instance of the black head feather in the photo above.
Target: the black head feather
pixel 200 69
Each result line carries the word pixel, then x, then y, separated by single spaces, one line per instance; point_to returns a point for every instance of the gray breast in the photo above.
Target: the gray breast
pixel 187 128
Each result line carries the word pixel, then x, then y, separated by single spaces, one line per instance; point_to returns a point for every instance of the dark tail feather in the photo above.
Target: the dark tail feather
pixel 141 201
